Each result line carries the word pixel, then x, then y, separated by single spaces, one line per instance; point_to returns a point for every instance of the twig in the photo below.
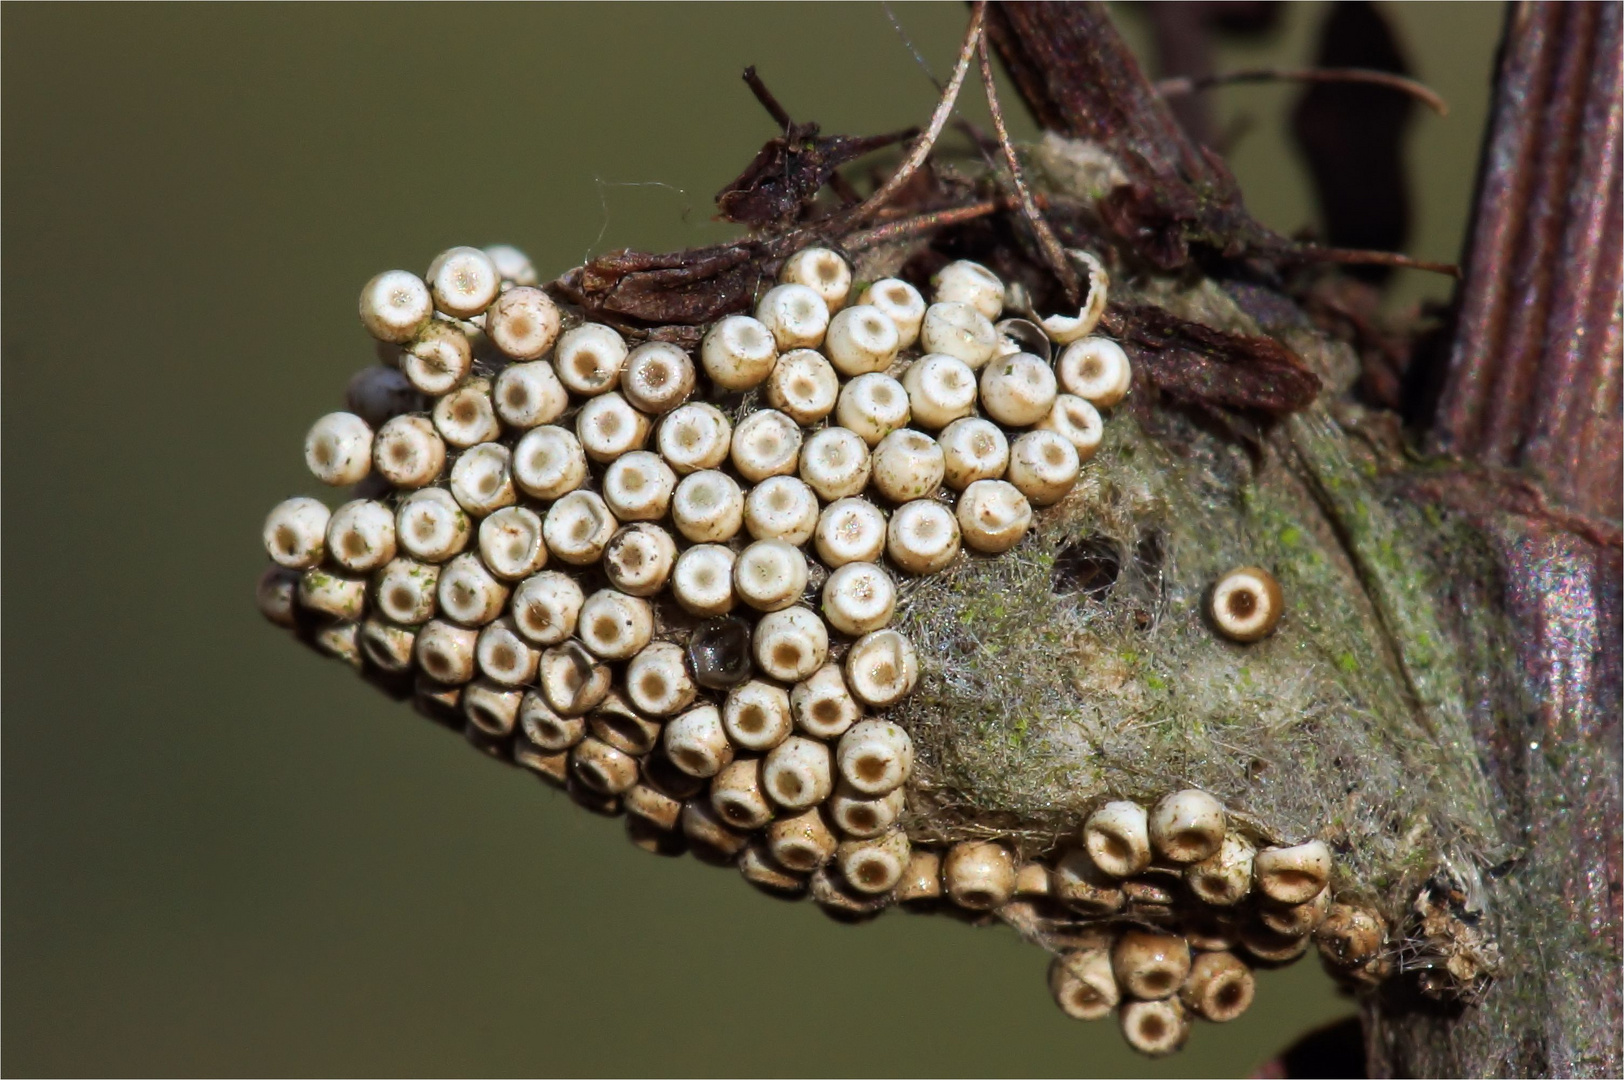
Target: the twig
pixel 938 120
pixel 777 111
pixel 922 223
pixel 1047 241
pixel 1420 91
pixel 1357 257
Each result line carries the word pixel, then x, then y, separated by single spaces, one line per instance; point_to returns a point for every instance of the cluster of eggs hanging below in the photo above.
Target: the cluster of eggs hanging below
pixel 679 606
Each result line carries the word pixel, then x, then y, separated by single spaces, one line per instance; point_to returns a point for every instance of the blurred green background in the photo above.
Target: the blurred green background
pixel 225 855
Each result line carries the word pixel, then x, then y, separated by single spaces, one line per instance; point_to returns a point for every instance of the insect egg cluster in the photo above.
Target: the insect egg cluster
pixel 567 539
pixel 666 579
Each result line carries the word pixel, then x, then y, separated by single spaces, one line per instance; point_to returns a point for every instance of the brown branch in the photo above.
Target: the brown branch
pixel 1533 380
pixel 1357 257
pixel 1417 90
pixel 1053 254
